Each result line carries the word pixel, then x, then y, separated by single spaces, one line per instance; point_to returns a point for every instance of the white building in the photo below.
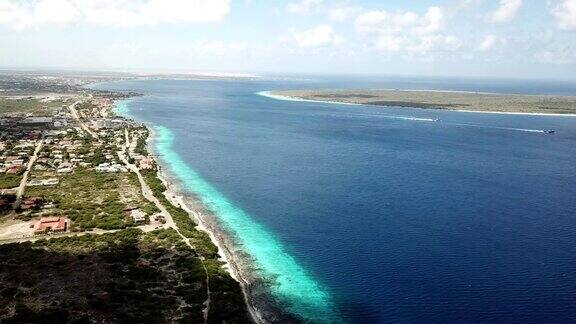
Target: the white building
pixel 138 216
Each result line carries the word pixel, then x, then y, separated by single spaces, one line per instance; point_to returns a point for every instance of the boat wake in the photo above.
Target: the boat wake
pixel 437 120
pixel 526 130
pixel 410 118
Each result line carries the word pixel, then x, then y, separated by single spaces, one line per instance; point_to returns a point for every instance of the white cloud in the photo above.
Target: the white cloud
pixel 489 42
pixel 343 13
pixel 465 4
pixel 303 7
pixel 322 35
pixel 434 21
pixel 119 13
pixel 506 12
pixel 420 45
pixel 384 22
pixel 407 31
pixel 565 14
pixel 55 11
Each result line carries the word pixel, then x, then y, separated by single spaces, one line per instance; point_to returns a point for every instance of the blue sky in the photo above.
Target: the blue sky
pixel 505 38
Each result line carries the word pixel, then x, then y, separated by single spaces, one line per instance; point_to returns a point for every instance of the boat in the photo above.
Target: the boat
pixel 549 131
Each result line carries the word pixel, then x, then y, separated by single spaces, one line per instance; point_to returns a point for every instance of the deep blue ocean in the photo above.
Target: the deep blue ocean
pixel 393 217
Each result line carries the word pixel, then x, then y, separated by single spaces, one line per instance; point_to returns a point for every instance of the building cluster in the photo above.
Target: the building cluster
pixel 66 150
pixel 16 150
pixel 97 108
pixel 43 182
pixel 110 167
pixel 103 124
pixel 59 119
pixel 59 145
pixel 31 203
pixel 136 151
pixel 63 151
pixel 99 113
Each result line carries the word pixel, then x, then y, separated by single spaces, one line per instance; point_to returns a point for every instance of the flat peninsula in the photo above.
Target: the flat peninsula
pixel 446 100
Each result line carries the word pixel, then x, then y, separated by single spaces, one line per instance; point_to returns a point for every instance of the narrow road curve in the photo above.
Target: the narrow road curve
pixel 149 195
pixel 74 113
pixel 22 186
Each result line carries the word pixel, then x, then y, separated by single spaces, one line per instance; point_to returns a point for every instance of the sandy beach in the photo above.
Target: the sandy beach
pixel 236 262
pixel 174 195
pixel 460 101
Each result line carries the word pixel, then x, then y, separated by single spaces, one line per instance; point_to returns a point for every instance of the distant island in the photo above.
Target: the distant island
pixel 446 100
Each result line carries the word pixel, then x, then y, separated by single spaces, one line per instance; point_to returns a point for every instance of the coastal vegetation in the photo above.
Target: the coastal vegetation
pixel 95 200
pixel 446 100
pixel 9 180
pixel 29 106
pixel 226 294
pixel 185 223
pixel 86 105
pixel 141 144
pixel 127 276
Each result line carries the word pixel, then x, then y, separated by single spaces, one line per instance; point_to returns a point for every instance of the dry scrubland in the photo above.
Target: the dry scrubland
pixel 22 106
pixel 443 100
pixel 124 277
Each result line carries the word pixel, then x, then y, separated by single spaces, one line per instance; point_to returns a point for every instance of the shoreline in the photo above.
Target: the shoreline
pixel 261 304
pixel 175 195
pixel 275 287
pixel 270 94
pixel 238 266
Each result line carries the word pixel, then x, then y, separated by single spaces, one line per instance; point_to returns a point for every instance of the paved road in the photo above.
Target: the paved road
pixel 74 113
pixel 22 186
pixel 146 191
pixel 149 195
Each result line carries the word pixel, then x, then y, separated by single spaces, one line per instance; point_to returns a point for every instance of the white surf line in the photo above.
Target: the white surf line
pixel 268 94
pixel 541 131
pixel 288 98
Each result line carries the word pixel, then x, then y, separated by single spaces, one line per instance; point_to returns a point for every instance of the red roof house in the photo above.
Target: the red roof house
pixel 54 224
pixel 13 170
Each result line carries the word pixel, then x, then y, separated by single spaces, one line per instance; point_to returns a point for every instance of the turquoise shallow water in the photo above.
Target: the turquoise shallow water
pixel 292 286
pixel 121 108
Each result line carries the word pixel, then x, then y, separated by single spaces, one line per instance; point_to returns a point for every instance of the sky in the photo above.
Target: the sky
pixel 496 38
